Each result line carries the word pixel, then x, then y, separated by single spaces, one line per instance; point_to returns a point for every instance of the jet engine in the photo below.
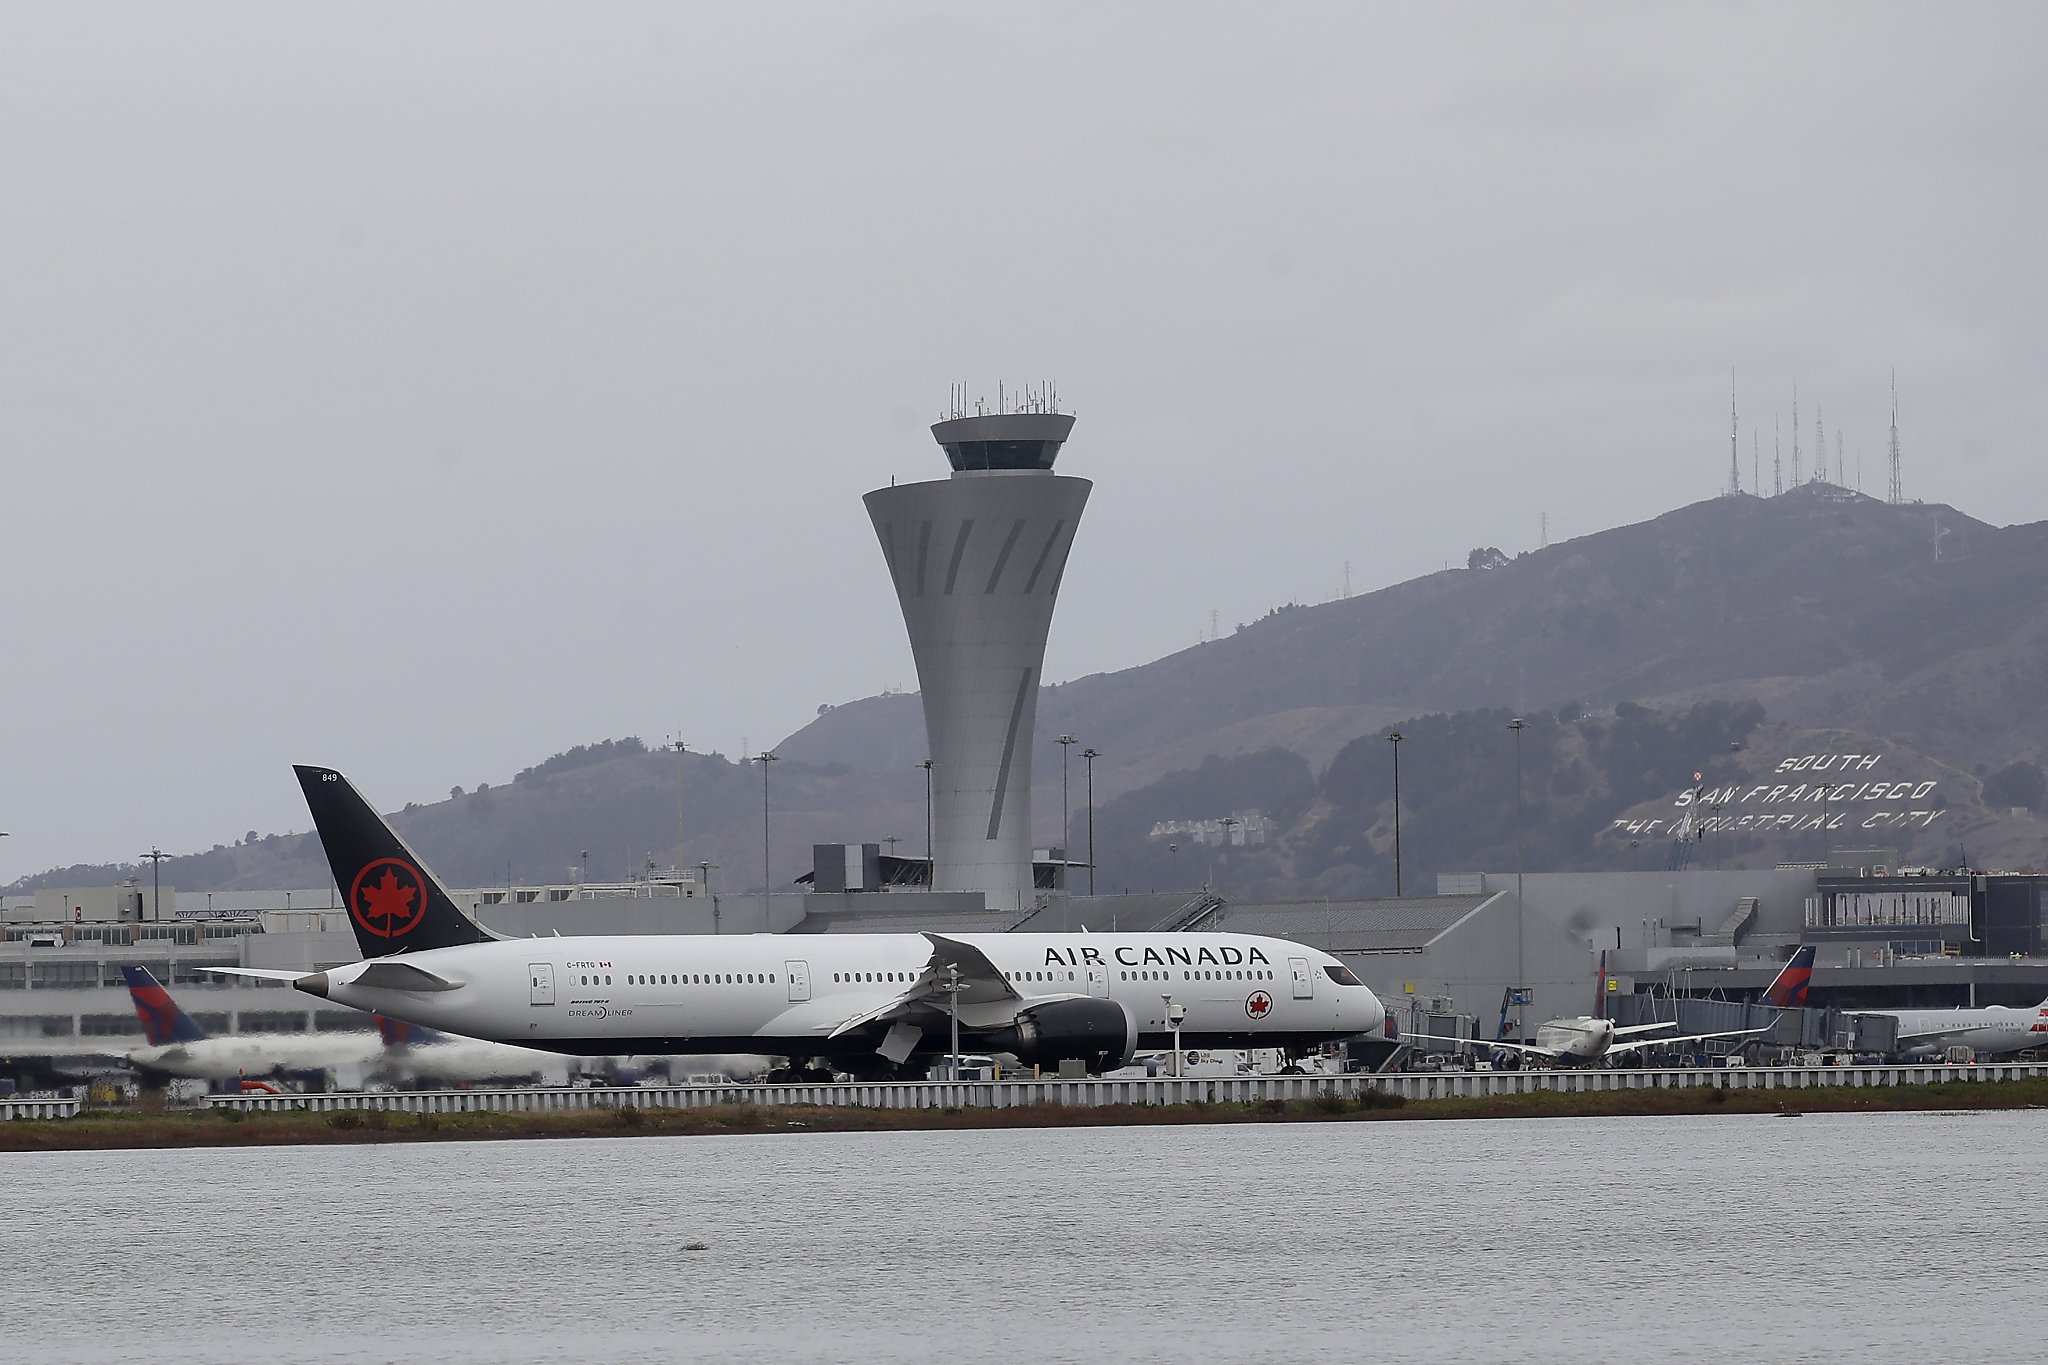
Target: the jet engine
pixel 1101 1033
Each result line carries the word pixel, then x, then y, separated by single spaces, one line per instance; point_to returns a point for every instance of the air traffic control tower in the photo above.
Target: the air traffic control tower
pixel 976 560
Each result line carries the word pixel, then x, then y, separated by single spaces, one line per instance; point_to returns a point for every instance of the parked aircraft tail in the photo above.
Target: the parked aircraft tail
pixel 163 1022
pixel 394 904
pixel 1788 990
pixel 398 1033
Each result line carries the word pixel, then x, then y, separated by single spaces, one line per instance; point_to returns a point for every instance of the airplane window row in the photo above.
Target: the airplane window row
pixel 849 977
pixel 1200 975
pixel 693 979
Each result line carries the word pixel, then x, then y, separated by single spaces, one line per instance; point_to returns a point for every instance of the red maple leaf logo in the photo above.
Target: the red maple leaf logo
pixel 1257 1005
pixel 392 904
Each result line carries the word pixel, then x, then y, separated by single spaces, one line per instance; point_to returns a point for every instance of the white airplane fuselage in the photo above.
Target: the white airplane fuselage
pixel 1576 1042
pixel 787 995
pixel 226 1057
pixel 1987 1031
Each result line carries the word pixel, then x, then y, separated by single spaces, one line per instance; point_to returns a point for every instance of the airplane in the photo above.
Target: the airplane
pixel 175 1045
pixel 1986 1031
pixel 872 1005
pixel 1788 989
pixel 1586 1041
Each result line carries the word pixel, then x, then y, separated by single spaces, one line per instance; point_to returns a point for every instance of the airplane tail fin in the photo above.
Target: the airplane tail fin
pixel 1788 989
pixel 394 904
pixel 162 1021
pixel 399 1033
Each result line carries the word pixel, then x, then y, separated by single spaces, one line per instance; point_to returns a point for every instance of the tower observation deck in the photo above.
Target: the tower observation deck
pixel 976 560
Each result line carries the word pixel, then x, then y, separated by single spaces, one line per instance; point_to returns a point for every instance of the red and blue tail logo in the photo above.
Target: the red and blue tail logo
pixel 163 1022
pixel 399 1033
pixel 1788 991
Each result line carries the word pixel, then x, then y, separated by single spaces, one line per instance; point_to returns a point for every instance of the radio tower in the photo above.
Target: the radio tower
pixel 1841 465
pixel 1777 458
pixel 1734 461
pixel 1795 436
pixel 1820 446
pixel 1756 462
pixel 1898 494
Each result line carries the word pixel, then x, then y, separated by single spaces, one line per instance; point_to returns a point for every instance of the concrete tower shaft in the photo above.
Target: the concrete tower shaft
pixel 976 560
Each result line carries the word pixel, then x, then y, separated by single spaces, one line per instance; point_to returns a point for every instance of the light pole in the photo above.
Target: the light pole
pixel 1394 738
pixel 1088 756
pixel 764 758
pixel 585 856
pixel 1175 1015
pixel 1066 743
pixel 681 748
pixel 1521 986
pixel 1226 824
pixel 931 867
pixel 156 858
pixel 951 986
pixel 1173 862
pixel 705 867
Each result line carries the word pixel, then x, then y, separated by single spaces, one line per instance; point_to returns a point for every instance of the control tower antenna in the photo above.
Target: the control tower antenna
pixel 1734 462
pixel 1898 494
pixel 1795 435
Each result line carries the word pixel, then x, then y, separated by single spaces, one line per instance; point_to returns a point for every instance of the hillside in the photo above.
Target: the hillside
pixel 1819 619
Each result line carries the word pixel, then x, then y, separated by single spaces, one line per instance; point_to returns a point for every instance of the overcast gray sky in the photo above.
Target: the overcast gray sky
pixel 424 389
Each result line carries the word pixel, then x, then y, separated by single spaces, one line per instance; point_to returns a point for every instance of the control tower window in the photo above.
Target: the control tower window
pixel 1341 974
pixel 1002 454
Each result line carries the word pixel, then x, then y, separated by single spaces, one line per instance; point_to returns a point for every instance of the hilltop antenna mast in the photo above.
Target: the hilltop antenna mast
pixel 1543 530
pixel 1841 464
pixel 1820 446
pixel 1898 494
pixel 1734 461
pixel 1756 463
pixel 1777 458
pixel 1347 578
pixel 1795 435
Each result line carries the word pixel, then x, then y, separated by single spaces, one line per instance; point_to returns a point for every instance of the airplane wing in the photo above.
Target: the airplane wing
pixel 260 973
pixel 1688 1038
pixel 1630 1030
pixel 1528 1049
pixel 981 983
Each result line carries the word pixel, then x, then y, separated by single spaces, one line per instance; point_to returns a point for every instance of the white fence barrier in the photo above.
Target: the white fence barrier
pixel 1427 1085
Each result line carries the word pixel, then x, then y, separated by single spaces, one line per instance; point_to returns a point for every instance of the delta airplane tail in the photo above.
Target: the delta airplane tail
pixel 1788 989
pixel 163 1023
pixel 397 1033
pixel 394 904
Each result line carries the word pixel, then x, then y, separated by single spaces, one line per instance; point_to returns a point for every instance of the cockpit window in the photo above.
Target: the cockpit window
pixel 1341 974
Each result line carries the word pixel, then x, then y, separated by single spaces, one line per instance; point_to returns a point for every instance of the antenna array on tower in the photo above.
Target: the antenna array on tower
pixel 1898 494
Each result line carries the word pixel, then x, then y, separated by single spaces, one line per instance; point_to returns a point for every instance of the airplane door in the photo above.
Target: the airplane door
pixel 1304 981
pixel 799 974
pixel 1098 981
pixel 542 975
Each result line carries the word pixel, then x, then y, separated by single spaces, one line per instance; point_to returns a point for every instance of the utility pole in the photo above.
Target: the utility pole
pixel 1394 738
pixel 1521 986
pixel 1088 757
pixel 681 748
pixel 156 858
pixel 931 867
pixel 764 758
pixel 1066 743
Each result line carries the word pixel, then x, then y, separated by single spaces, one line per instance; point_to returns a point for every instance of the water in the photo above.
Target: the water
pixel 1868 1238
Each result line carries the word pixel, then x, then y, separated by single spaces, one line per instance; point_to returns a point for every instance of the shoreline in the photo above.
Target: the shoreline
pixel 131 1129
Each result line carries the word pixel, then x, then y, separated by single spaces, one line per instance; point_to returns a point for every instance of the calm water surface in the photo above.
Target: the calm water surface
pixel 1870 1238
